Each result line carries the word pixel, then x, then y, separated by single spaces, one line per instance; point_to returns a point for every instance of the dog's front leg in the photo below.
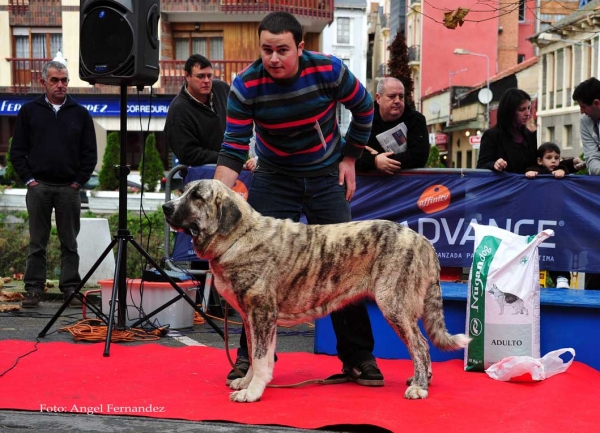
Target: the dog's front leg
pixel 263 354
pixel 243 382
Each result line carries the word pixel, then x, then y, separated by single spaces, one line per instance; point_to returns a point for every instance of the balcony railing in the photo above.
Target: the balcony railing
pixel 306 8
pixel 172 72
pixel 26 75
pixel 414 53
pixel 385 21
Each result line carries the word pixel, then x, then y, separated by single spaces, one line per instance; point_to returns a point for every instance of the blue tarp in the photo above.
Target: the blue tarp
pixel 440 204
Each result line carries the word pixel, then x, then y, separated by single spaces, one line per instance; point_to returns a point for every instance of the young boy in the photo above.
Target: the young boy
pixel 548 159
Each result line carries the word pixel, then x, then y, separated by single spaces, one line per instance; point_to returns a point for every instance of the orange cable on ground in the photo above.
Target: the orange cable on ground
pixel 94 330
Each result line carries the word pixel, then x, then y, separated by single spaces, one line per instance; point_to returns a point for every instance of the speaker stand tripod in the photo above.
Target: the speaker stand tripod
pixel 122 238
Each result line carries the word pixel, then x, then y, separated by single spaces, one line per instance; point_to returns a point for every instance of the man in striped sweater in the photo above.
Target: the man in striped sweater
pixel 288 99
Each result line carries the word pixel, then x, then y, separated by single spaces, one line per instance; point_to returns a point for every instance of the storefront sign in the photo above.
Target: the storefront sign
pixel 105 107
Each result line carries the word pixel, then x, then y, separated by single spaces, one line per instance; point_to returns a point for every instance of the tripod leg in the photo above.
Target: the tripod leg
pixel 176 287
pixel 120 290
pixel 78 288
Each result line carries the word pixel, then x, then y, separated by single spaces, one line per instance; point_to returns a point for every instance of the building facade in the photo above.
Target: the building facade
pixel 345 39
pixel 568 55
pixel 33 31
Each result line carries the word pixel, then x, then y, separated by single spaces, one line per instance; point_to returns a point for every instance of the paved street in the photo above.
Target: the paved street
pixel 27 324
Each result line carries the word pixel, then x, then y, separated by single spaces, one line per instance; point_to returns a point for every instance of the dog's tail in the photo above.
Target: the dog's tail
pixel 435 325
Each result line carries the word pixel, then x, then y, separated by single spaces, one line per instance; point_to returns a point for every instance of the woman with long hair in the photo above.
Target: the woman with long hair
pixel 509 146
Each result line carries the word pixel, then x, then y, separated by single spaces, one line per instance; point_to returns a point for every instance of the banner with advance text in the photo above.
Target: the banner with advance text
pixel 440 204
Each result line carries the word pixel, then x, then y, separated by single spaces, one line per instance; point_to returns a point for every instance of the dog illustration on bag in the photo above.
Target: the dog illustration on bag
pixel 510 299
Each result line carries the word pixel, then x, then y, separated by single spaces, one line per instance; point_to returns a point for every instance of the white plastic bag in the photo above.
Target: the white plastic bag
pixel 528 369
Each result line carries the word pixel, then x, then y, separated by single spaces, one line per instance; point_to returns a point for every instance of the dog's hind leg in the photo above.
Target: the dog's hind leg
pixel 419 352
pixel 263 354
pixel 418 349
pixel 411 379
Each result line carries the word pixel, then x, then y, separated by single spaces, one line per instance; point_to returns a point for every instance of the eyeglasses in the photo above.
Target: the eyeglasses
pixel 54 81
pixel 203 76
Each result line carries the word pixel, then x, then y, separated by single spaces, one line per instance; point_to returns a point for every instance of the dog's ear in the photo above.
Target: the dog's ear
pixel 229 215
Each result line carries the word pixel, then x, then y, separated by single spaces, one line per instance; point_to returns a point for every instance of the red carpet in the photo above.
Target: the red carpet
pixel 188 383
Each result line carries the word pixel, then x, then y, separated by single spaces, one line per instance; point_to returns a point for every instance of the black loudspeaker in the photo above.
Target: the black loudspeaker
pixel 118 42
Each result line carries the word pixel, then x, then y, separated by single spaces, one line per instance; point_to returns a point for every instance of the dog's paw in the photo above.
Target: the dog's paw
pixel 243 396
pixel 415 392
pixel 241 383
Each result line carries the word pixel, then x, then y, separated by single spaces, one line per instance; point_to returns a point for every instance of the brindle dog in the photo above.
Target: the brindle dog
pixel 278 271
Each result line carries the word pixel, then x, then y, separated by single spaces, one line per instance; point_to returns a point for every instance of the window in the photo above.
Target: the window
pixel 559 77
pixel 209 44
pixel 469 159
pixel 568 137
pixel 37 43
pixel 520 58
pixel 459 159
pixel 522 4
pixel 550 134
pixel 343 30
pixel 568 75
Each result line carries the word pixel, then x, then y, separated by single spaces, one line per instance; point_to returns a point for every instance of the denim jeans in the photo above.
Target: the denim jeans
pixel 41 200
pixel 322 201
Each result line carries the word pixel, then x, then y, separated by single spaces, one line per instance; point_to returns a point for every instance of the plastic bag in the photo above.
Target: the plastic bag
pixel 528 369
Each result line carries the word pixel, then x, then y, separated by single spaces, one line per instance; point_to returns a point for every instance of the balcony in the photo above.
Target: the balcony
pixel 301 8
pixel 385 22
pixel 414 54
pixel 172 72
pixel 26 75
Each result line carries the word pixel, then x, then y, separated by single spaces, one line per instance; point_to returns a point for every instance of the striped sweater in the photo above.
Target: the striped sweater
pixel 295 121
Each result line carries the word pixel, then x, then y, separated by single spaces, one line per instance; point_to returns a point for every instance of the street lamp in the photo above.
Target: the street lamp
pixel 482 98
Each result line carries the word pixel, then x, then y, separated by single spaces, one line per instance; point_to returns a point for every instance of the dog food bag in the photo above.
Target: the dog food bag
pixel 503 304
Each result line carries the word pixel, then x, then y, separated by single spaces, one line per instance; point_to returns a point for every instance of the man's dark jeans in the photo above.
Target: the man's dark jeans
pixel 41 200
pixel 322 201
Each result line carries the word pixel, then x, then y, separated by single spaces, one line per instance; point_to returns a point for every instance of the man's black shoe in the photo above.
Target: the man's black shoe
pixel 365 373
pixel 32 299
pixel 242 364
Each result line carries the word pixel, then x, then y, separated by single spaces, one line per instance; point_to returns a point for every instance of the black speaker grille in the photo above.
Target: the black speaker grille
pixel 106 43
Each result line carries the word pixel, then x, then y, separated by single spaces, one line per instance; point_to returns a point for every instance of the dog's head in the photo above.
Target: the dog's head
pixel 205 210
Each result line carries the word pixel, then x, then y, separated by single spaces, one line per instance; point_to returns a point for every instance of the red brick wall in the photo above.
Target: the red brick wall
pixel 41 13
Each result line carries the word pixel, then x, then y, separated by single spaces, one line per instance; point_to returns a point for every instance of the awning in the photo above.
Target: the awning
pixel 470 124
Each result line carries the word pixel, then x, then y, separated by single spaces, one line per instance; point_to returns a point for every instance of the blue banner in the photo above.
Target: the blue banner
pixel 441 204
pixel 105 107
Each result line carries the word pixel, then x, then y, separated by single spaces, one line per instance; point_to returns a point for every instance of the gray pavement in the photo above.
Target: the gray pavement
pixel 27 324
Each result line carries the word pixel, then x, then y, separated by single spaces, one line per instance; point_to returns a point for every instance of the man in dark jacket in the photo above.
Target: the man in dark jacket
pixel 54 153
pixel 196 120
pixel 391 111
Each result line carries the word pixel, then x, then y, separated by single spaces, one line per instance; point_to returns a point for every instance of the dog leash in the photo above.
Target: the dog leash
pixel 331 380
